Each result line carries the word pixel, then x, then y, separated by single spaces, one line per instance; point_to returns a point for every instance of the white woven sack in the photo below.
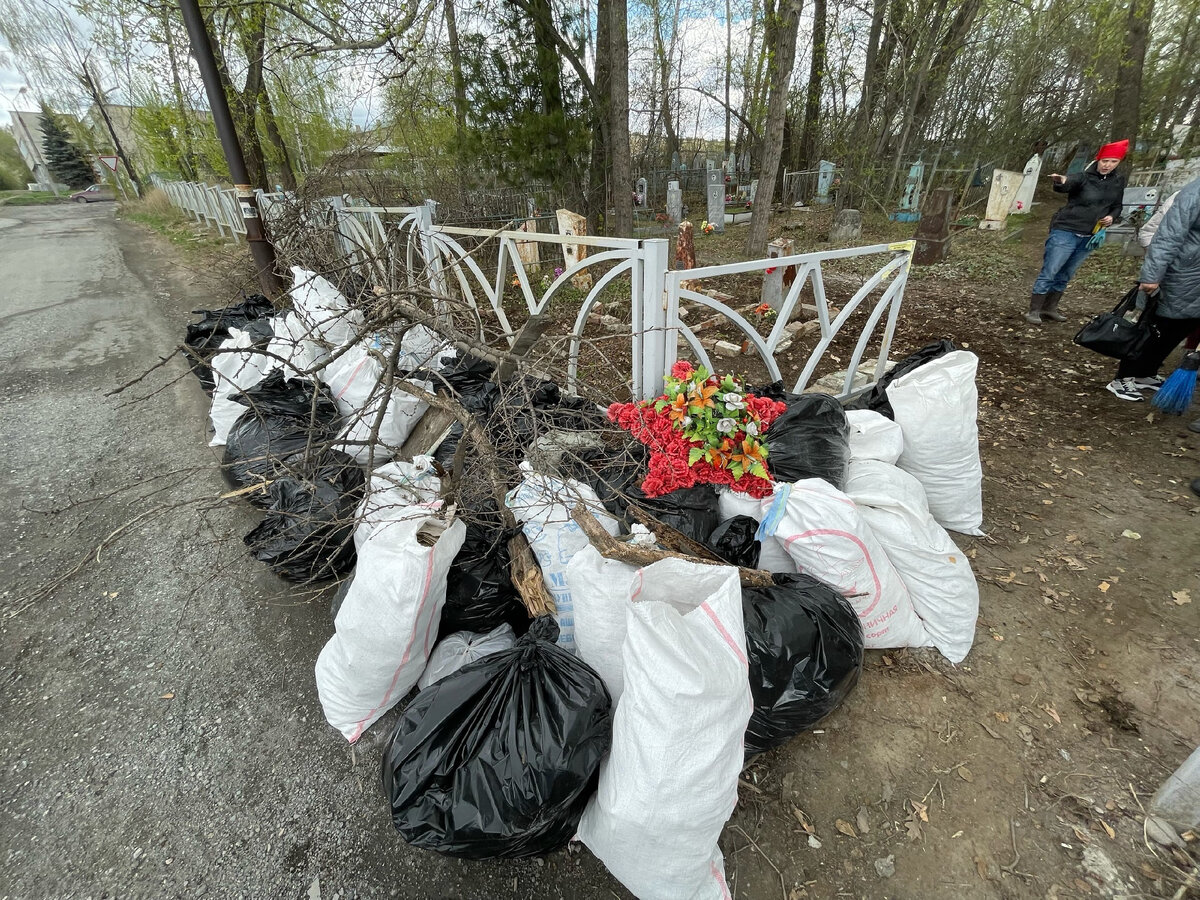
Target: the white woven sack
pixel 543 505
pixel 874 436
pixel 462 648
pixel 398 490
pixel 938 575
pixel 387 623
pixel 937 407
pixel 324 312
pixel 301 356
pixel 825 534
pixel 238 369
pixel 356 381
pixel 600 593
pixel 670 781
pixel 773 556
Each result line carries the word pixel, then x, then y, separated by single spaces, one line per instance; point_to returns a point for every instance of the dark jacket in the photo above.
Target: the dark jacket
pixel 1173 258
pixel 1090 197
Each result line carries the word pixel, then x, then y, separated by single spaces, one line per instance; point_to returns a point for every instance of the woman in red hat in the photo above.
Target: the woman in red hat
pixel 1093 202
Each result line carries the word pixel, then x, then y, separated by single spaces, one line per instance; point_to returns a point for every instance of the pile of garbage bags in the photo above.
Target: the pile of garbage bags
pixel 625 717
pixel 300 403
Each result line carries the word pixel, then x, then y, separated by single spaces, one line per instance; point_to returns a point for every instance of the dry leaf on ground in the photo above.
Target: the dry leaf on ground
pixel 1181 598
pixel 845 828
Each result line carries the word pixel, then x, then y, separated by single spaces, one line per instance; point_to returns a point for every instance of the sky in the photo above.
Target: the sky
pixel 11 82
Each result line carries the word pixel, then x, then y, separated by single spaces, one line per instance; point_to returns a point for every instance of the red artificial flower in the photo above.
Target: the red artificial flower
pixel 682 370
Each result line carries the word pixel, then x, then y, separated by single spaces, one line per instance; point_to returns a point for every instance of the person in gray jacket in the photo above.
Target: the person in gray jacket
pixel 1172 268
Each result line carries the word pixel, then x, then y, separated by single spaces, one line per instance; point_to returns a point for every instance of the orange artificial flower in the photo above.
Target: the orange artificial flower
pixel 678 408
pixel 703 398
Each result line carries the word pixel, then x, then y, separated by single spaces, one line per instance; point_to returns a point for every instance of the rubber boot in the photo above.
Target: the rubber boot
pixel 1050 310
pixel 1036 303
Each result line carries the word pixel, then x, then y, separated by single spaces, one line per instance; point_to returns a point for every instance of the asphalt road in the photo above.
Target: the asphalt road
pixel 160 734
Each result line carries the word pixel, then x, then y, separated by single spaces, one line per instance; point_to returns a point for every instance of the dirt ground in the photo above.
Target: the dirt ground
pixel 1022 772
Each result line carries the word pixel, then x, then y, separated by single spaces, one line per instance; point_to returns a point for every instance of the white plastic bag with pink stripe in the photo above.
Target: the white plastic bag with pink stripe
pixel 388 622
pixel 670 781
pixel 824 532
pixel 356 380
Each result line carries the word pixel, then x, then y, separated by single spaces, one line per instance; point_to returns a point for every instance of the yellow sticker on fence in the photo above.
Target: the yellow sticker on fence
pixel 903 245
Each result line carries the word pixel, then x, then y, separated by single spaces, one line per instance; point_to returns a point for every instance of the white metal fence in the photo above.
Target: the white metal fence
pixel 402 246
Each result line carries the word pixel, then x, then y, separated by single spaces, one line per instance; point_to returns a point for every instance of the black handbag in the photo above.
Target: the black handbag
pixel 1111 334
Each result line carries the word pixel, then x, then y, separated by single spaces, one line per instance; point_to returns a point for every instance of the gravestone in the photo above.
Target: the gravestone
pixel 675 164
pixel 570 224
pixel 1023 202
pixel 825 170
pixel 529 251
pixel 847 227
pixel 642 187
pixel 708 164
pixel 716 200
pixel 772 288
pixel 730 164
pixel 674 202
pixel 753 189
pixel 933 231
pixel 909 209
pixel 1005 185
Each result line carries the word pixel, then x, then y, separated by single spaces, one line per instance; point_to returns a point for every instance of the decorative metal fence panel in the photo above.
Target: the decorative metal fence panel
pixel 402 247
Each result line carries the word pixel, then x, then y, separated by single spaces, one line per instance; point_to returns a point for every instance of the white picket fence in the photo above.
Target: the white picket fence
pixel 402 246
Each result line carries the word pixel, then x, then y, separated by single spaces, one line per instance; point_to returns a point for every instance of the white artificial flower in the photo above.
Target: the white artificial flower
pixel 726 426
pixel 687 421
pixel 734 400
pixel 751 429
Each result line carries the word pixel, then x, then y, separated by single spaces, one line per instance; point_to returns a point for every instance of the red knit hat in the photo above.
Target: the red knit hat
pixel 1115 150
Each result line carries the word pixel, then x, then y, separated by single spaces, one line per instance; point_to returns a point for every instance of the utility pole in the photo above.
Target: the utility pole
pixel 261 249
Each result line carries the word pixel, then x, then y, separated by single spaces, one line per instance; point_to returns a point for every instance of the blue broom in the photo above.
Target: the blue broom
pixel 1175 396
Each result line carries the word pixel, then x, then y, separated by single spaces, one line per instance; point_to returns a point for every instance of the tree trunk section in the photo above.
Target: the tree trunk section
pixel 812 102
pixel 780 45
pixel 618 123
pixel 1127 95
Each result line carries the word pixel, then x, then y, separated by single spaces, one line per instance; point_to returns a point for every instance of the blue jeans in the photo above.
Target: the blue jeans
pixel 1065 250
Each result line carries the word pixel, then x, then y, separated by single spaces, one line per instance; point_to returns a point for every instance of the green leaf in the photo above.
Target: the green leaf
pixel 736 469
pixel 695 455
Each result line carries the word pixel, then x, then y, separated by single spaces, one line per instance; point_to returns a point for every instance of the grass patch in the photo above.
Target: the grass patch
pixel 154 211
pixel 29 198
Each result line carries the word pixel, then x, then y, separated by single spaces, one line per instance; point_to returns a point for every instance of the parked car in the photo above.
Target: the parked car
pixel 94 193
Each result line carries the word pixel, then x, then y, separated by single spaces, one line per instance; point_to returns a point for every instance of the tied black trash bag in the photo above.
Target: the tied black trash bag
pixel 308 532
pixel 876 398
pixel 735 542
pixel 283 422
pixel 690 511
pixel 480 594
pixel 498 760
pixel 805 648
pixel 810 440
pixel 205 336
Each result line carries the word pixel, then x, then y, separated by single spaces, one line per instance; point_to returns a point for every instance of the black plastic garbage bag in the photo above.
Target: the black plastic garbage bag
pixel 205 336
pixel 876 398
pixel 287 420
pixel 498 760
pixel 810 440
pixel 805 647
pixel 480 594
pixel 734 541
pixel 691 511
pixel 308 532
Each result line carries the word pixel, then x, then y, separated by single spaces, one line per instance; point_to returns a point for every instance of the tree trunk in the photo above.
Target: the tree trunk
pixel 618 120
pixel 188 157
pixel 812 103
pixel 597 195
pixel 286 171
pixel 456 70
pixel 663 58
pixel 780 45
pixel 98 98
pixel 1127 96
